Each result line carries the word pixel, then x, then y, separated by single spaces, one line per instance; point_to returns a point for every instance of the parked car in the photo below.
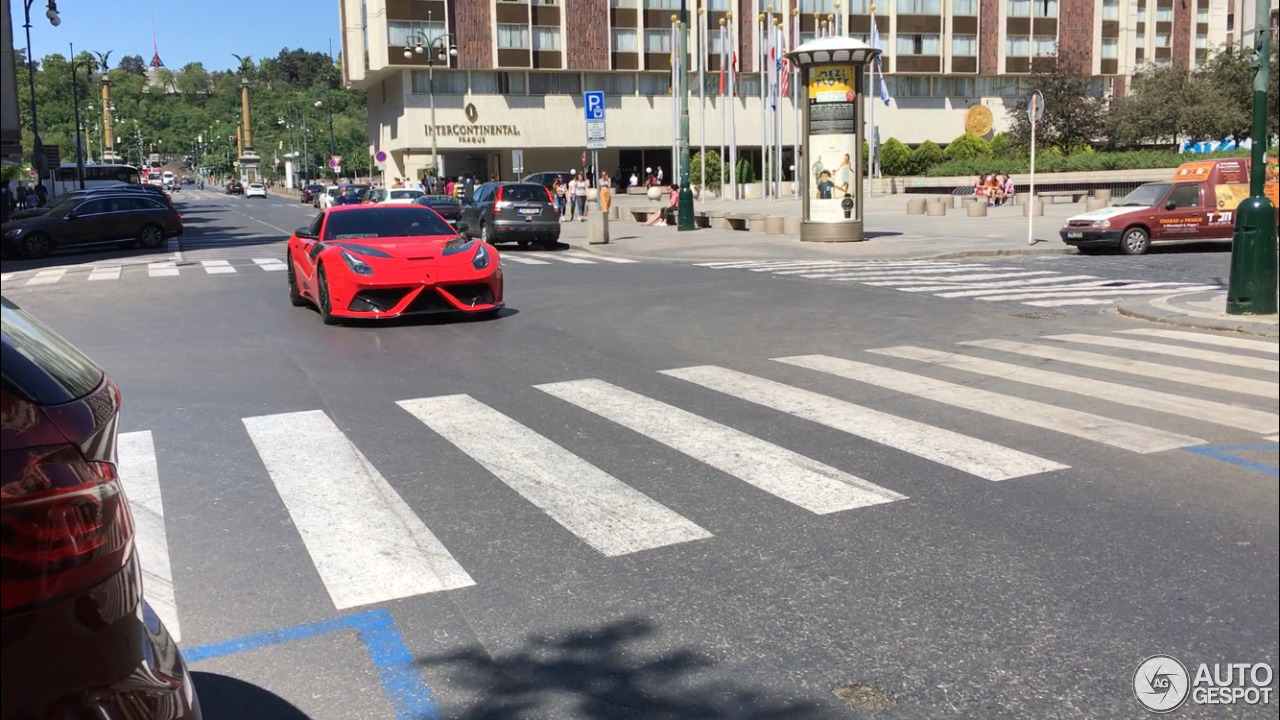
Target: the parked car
pixel 150 191
pixel 547 179
pixel 500 212
pixel 235 187
pixel 78 639
pixel 328 198
pixel 449 208
pixel 255 190
pixel 397 196
pixel 126 219
pixel 310 192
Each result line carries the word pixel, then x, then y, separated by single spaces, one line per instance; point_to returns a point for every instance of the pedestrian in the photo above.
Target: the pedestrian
pixel 580 195
pixel 6 202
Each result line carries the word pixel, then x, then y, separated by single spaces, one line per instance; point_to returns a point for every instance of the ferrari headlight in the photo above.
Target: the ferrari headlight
pixel 14 233
pixel 357 265
pixel 481 259
pixel 1102 223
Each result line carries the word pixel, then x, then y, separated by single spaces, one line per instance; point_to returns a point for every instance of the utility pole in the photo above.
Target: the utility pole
pixel 1252 288
pixel 685 210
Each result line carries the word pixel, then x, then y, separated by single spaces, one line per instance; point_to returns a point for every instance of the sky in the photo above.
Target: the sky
pixel 185 30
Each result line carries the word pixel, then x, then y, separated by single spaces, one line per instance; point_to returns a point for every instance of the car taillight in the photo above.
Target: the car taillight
pixel 550 198
pixel 64 525
pixel 498 197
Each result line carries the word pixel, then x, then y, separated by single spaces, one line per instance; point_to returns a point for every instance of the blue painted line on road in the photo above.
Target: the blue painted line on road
pixel 401 678
pixel 1223 453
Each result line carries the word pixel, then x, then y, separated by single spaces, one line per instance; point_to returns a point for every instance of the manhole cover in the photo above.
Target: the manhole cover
pixel 1038 315
pixel 866 697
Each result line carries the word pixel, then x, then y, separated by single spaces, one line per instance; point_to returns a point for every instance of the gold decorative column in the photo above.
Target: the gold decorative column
pixel 109 155
pixel 246 137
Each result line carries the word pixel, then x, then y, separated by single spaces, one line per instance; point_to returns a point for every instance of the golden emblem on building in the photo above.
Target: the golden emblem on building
pixel 473 114
pixel 978 120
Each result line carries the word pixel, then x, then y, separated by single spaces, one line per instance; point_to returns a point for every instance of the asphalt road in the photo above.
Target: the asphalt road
pixel 657 490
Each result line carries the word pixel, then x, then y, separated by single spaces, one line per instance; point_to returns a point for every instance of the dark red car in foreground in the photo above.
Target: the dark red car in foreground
pixel 76 638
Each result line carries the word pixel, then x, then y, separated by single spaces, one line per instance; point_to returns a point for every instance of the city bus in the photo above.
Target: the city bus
pixel 65 178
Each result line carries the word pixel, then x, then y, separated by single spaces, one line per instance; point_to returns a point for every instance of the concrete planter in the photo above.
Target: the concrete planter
pixel 654 193
pixel 753 191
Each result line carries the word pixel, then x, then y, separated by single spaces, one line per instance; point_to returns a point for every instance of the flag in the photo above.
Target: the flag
pixel 674 45
pixel 784 66
pixel 733 75
pixel 724 58
pixel 773 70
pixel 879 71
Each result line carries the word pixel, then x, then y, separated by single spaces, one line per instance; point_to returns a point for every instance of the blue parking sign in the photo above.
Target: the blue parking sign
pixel 593 102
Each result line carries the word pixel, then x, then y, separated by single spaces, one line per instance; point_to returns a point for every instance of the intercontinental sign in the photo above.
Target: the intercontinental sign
pixel 473 134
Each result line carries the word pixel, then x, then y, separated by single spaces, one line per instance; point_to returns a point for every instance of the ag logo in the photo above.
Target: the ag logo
pixel 1161 683
pixel 471 112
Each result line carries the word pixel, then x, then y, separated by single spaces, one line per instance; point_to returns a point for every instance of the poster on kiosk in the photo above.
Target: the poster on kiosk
pixel 833 141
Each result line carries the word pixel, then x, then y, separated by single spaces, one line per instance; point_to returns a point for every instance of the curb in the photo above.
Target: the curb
pixel 1199 324
pixel 590 248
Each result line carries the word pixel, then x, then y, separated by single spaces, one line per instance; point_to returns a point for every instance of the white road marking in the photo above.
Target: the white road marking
pixel 1172 373
pixel 924 270
pixel 365 541
pixel 1207 339
pixel 105 273
pixel 562 257
pixel 1098 293
pixel 607 514
pixel 967 454
pixel 1030 284
pixel 1194 408
pixel 162 269
pixel 46 277
pixel 1116 433
pixel 217 267
pixel 1273 438
pixel 6 277
pixel 1191 353
pixel 814 486
pixel 140 476
pixel 512 257
pixel 896 280
pixel 270 264
pixel 608 258
pixel 1093 287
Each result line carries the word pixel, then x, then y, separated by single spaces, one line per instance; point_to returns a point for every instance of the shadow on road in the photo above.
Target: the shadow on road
pixel 227 697
pixel 597 673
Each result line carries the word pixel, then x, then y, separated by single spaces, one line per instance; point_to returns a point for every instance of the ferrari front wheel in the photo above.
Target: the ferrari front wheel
pixel 295 297
pixel 325 305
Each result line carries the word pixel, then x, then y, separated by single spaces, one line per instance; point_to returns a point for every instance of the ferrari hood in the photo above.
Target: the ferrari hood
pixel 440 250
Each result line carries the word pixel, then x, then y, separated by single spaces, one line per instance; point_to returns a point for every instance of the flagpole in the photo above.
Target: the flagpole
pixel 720 107
pixel 702 101
pixel 777 109
pixel 795 107
pixel 872 96
pixel 763 54
pixel 675 104
pixel 733 104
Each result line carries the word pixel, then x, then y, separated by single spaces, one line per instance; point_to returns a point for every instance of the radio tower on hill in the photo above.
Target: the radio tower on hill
pixel 155 47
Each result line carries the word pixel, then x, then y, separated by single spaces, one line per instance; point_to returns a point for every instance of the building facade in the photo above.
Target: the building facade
pixel 521 66
pixel 10 116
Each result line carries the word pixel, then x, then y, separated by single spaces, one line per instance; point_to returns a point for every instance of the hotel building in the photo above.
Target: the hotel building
pixel 521 67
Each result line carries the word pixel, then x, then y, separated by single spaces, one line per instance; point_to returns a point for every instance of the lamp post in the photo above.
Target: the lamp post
pixel 37 147
pixel 333 150
pixel 685 211
pixel 443 48
pixel 75 102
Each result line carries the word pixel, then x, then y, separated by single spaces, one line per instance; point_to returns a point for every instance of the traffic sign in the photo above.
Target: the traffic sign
pixel 517 161
pixel 593 102
pixel 596 135
pixel 335 161
pixel 380 156
pixel 1035 107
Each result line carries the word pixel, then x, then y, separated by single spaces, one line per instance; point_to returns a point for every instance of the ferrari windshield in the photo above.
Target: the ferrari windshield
pixel 385 222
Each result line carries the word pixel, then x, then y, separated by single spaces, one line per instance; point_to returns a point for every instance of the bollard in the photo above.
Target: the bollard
pixel 1034 209
pixel 597 228
pixel 936 209
pixel 948 200
pixel 773 224
pixel 1094 203
pixel 1103 195
pixel 915 206
pixel 757 223
pixel 791 225
pixel 976 209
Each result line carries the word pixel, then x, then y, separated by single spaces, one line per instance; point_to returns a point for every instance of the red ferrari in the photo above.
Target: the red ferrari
pixel 384 261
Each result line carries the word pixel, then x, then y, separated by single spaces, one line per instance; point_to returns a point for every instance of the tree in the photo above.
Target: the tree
pixel 1167 104
pixel 926 155
pixel 133 64
pixel 895 158
pixel 967 147
pixel 1074 109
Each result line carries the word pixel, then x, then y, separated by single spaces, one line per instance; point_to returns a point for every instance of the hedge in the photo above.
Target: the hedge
pixel 1075 162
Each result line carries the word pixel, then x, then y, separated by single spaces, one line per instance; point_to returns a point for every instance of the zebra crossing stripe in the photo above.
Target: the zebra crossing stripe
pixel 217 267
pixel 812 485
pixel 1116 433
pixel 924 270
pixel 1172 373
pixel 619 260
pixel 1005 284
pixel 1092 287
pixel 967 454
pixel 365 541
pixel 564 258
pixel 899 280
pixel 105 273
pixel 1191 353
pixel 46 277
pixel 1207 339
pixel 604 512
pixel 522 259
pixel 140 476
pixel 1188 407
pixel 162 269
pixel 6 277
pixel 1150 289
pixel 270 264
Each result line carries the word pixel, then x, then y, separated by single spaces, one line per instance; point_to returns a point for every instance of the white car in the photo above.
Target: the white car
pixel 401 196
pixel 255 190
pixel 326 199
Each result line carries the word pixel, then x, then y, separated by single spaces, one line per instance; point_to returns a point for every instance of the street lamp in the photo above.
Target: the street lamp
pixel 37 147
pixel 441 47
pixel 75 101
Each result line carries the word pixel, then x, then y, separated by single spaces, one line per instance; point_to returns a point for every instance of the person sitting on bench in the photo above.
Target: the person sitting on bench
pixel 666 215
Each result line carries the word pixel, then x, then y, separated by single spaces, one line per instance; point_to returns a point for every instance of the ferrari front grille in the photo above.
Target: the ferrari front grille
pixel 377 300
pixel 471 293
pixel 429 301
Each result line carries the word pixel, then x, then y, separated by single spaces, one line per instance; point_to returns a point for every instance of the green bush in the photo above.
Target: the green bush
pixel 715 170
pixel 746 174
pixel 925 156
pixel 967 147
pixel 1002 147
pixel 895 158
pixel 1079 162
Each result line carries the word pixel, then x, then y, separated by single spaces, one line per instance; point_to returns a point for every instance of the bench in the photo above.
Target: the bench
pixel 639 214
pixel 738 222
pixel 702 218
pixel 1075 195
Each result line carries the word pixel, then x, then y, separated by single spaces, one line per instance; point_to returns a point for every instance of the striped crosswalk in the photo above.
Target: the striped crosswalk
pixel 970 280
pixel 1157 391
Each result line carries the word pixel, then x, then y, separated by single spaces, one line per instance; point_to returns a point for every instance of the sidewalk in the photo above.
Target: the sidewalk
pixel 891 233
pixel 1206 310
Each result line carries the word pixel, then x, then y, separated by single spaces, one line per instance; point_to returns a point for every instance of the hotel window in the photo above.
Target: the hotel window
pixel 1045 8
pixel 1202 15
pixel 964 45
pixel 498 83
pixel 1162 40
pixel 555 84
pixel 651 84
pixel 807 36
pixel 661 4
pixel 749 85
pixel 861 37
pixel 622 3
pixel 859 7
pixel 1164 13
pixel 909 86
pixel 968 8
pixel 657 41
pixel 1044 45
pixel 546 37
pixel 407 34
pixel 1017 46
pixel 610 83
pixel 1110 48
pixel 919 45
pixel 812 6
pixel 626 41
pixel 1202 42
pixel 1163 62
pixel 1018 8
pixel 716 5
pixel 961 87
pixel 1142 13
pixel 719 40
pixel 513 37
pixel 919 7
pixel 1110 9
pixel 446 82
pixel 1140 41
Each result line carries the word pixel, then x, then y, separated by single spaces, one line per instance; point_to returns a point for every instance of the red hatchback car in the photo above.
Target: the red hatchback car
pixel 78 639
pixel 384 261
